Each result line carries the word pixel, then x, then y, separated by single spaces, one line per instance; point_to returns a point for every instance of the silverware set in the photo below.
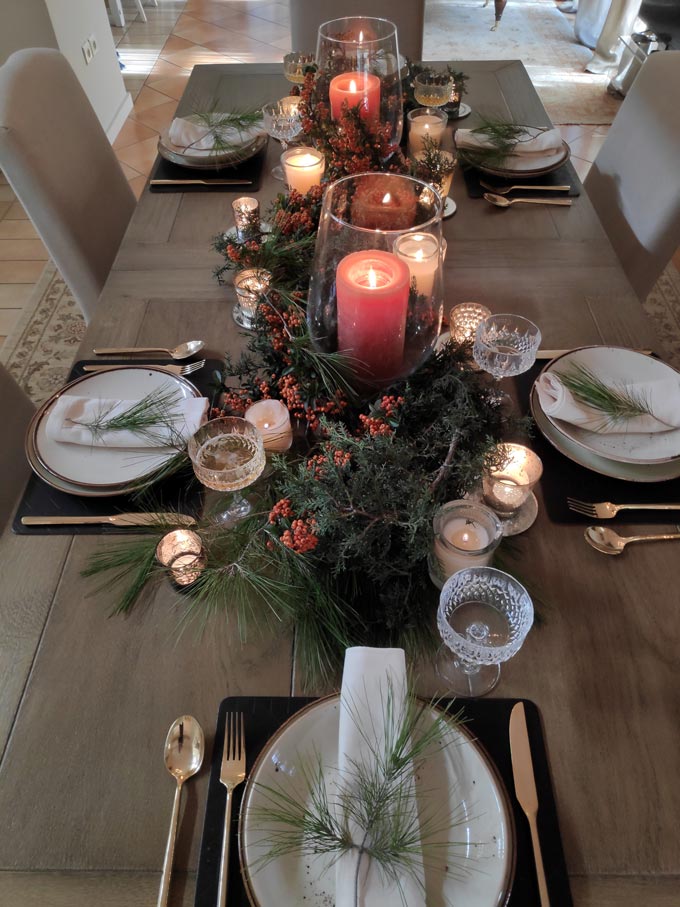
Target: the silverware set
pixel 183 370
pixel 605 540
pixel 496 195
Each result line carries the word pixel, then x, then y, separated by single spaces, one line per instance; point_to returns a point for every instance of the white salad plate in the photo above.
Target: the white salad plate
pixel 618 366
pixel 246 145
pixel 103 470
pixel 527 165
pixel 458 783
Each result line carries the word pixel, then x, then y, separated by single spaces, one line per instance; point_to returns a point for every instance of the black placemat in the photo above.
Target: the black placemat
pixel 563 478
pixel 488 719
pixel 563 176
pixel 181 492
pixel 248 174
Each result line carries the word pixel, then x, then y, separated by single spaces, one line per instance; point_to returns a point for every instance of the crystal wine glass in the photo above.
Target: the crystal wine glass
pixel 227 455
pixel 296 65
pixel 484 616
pixel 432 89
pixel 282 122
pixel 506 345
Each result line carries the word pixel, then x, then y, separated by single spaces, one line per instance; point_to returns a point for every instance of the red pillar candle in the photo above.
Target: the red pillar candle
pixel 358 89
pixel 372 290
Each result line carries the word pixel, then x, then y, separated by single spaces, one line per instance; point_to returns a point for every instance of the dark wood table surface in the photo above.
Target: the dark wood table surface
pixel 86 699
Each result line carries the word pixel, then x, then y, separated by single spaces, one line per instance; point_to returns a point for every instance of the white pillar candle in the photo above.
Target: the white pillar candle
pixel 272 420
pixel 425 122
pixel 507 487
pixel 303 167
pixel 466 534
pixel 421 252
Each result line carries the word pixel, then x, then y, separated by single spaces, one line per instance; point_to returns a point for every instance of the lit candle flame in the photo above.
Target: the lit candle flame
pixel 419 255
pixel 361 37
pixel 387 198
pixel 353 86
pixel 265 425
pixel 372 279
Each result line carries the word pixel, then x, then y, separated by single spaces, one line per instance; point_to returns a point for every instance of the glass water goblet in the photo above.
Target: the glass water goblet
pixel 282 122
pixel 432 89
pixel 506 345
pixel 483 618
pixel 228 455
pixel 296 66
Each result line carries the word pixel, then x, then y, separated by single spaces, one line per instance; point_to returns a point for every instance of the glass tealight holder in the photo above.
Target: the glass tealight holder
pixel 508 489
pixel 432 89
pixel 466 534
pixel 464 319
pixel 181 552
pixel 424 122
pixel 506 345
pixel 250 285
pixel 303 168
pixel 246 218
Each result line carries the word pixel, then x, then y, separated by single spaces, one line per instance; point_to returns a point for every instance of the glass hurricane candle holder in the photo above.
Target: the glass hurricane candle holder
pixel 506 345
pixel 181 551
pixel 246 218
pixel 464 320
pixel 483 618
pixel 424 122
pixel 508 489
pixel 466 534
pixel 358 64
pixel 361 301
pixel 303 168
pixel 250 285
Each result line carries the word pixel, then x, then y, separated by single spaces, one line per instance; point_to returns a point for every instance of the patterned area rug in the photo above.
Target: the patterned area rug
pixel 40 350
pixel 663 308
pixel 538 34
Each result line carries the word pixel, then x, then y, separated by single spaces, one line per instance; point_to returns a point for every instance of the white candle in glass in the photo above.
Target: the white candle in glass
pixel 303 168
pixel 424 122
pixel 421 252
pixel 272 419
pixel 466 534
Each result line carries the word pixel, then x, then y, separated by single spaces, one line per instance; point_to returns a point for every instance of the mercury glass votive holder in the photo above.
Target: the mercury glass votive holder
pixel 464 319
pixel 181 551
pixel 466 534
pixel 250 285
pixel 508 489
pixel 246 218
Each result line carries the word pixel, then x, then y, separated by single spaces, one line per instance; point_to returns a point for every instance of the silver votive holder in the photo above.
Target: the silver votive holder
pixel 464 319
pixel 246 218
pixel 250 285
pixel 508 489
pixel 181 552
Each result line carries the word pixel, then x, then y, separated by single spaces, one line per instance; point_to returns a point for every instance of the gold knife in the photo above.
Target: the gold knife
pixel 201 183
pixel 116 519
pixel 525 788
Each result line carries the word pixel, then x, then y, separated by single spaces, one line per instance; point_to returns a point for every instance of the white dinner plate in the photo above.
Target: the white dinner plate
pixel 249 144
pixel 526 165
pixel 620 366
pixel 458 779
pixel 113 470
pixel 629 472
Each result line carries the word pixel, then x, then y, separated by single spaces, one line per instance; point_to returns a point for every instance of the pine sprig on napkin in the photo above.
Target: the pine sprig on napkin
pixel 615 404
pixel 152 418
pixel 503 136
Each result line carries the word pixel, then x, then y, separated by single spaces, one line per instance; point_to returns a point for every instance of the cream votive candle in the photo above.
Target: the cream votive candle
pixel 425 122
pixel 464 319
pixel 303 168
pixel 466 534
pixel 507 487
pixel 421 252
pixel 272 420
pixel 246 217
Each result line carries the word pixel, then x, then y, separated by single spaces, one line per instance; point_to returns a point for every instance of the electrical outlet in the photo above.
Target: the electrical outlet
pixel 86 48
pixel 94 45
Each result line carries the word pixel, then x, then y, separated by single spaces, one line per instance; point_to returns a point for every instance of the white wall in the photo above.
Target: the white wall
pixel 73 22
pixel 24 23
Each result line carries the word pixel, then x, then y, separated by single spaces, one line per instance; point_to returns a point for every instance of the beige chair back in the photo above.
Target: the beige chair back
pixel 634 183
pixel 16 411
pixel 408 15
pixel 60 164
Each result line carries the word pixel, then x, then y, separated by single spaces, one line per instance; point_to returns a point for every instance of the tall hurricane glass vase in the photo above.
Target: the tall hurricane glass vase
pixel 376 291
pixel 358 64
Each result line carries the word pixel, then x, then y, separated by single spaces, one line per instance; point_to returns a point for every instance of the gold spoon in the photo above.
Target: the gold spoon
pixel 503 190
pixel 183 351
pixel 184 747
pixel 506 202
pixel 607 541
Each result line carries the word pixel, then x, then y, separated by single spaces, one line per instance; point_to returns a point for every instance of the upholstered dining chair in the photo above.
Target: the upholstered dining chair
pixel 634 183
pixel 408 15
pixel 16 411
pixel 61 166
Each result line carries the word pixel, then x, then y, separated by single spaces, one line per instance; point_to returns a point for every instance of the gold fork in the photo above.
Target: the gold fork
pixel 605 510
pixel 232 773
pixel 175 369
pixel 504 190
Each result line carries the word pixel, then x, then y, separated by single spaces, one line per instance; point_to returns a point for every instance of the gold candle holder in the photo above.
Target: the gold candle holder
pixel 464 320
pixel 181 551
pixel 246 217
pixel 508 489
pixel 250 286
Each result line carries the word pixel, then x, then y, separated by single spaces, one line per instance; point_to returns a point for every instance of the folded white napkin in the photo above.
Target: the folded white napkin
pixel 662 397
pixel 367 677
pixel 186 133
pixel 68 422
pixel 544 143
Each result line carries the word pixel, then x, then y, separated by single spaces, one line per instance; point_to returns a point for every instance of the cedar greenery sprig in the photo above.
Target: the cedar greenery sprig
pixel 615 404
pixel 434 165
pixel 371 812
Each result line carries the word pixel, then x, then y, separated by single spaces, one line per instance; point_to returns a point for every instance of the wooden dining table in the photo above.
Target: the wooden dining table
pixel 86 698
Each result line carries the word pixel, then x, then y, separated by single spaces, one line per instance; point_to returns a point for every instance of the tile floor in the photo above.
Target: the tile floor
pixel 158 56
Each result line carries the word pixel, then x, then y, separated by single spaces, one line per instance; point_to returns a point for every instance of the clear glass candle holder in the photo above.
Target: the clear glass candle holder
pixel 297 65
pixel 250 285
pixel 361 301
pixel 181 551
pixel 466 534
pixel 358 65
pixel 246 218
pixel 506 345
pixel 483 618
pixel 424 122
pixel 303 168
pixel 432 89
pixel 508 489
pixel 464 319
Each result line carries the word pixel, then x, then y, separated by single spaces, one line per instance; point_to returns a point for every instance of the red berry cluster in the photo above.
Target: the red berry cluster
pixel 341 458
pixel 390 405
pixel 316 465
pixel 301 536
pixel 375 425
pixel 281 510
